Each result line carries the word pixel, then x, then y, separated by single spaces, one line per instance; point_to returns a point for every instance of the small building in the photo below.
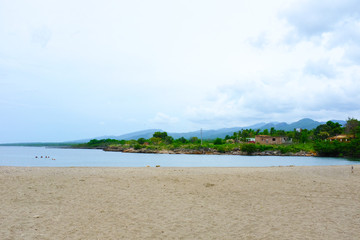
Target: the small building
pixel 341 138
pixel 265 139
pixel 250 140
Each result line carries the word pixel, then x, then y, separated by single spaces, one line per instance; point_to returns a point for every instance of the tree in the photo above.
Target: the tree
pixel 155 140
pixel 323 135
pixel 304 137
pixel 335 128
pixel 297 135
pixel 245 133
pixel 280 133
pixel 182 140
pixel 272 131
pixel 235 136
pixel 218 141
pixel 141 140
pixel 352 126
pixel 168 139
pixel 329 129
pixel 266 132
pixel 161 135
pixel 94 142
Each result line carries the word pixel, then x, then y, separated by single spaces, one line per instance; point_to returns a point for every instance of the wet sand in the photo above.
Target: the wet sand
pixel 180 203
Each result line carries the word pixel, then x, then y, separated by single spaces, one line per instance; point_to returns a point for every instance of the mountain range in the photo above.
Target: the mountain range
pixel 305 123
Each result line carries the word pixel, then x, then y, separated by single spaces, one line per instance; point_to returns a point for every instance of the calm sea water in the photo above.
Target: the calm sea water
pixel 25 156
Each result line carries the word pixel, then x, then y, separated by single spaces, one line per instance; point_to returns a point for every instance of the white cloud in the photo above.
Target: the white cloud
pixel 177 64
pixel 292 97
pixel 311 18
pixel 328 24
pixel 320 68
pixel 260 41
pixel 163 119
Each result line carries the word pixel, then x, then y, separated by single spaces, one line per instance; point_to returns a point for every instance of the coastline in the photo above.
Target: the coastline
pixel 180 203
pixel 208 151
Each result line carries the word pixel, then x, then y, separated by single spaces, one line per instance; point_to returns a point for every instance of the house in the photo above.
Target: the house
pixel 265 139
pixel 341 138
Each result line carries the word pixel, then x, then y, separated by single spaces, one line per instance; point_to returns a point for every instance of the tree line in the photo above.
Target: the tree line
pixel 313 140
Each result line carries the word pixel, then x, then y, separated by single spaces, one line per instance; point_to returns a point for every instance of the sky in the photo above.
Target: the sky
pixel 80 69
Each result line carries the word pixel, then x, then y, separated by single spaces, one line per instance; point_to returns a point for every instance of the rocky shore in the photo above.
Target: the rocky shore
pixel 206 151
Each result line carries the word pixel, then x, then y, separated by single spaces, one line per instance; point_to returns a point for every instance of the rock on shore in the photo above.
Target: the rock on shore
pixel 207 151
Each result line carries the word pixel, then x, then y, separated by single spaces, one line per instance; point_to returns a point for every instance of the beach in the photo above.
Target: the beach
pixel 317 202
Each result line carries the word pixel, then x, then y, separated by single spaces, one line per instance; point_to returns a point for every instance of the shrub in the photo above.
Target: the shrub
pixel 329 149
pixel 141 140
pixel 249 148
pixel 262 148
pixel 218 141
pixel 220 149
pixel 137 146
pixel 285 149
pixel 182 140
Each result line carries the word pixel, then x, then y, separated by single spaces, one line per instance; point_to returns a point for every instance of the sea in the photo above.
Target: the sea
pixel 67 157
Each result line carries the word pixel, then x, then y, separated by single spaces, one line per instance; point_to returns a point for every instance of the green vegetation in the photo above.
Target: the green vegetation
pixel 103 143
pixel 314 141
pixel 349 147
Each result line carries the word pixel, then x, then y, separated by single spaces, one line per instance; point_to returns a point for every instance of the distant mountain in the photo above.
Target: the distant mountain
pixel 305 123
pixel 342 122
pixel 206 134
pixel 134 135
pixel 129 136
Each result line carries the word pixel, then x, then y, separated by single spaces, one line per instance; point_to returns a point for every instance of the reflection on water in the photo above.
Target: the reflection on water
pixel 60 157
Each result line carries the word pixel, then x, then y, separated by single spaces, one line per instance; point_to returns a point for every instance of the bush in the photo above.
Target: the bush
pixel 249 148
pixel 354 148
pixel 182 140
pixel 168 140
pixel 102 142
pixel 285 149
pixel 336 149
pixel 141 140
pixel 218 141
pixel 329 149
pixel 220 149
pixel 137 146
pixel 155 140
pixel 262 148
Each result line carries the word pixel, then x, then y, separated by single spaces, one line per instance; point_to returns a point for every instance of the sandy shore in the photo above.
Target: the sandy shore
pixel 180 203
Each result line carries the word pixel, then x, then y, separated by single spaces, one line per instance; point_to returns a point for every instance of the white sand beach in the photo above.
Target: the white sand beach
pixel 180 203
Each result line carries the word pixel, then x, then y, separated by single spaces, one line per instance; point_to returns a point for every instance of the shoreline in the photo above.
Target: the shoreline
pixel 208 152
pixel 301 202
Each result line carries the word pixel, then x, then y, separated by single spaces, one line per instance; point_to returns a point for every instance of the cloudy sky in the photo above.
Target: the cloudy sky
pixel 80 69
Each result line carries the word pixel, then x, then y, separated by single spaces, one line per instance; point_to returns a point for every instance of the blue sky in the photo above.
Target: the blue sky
pixel 80 69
